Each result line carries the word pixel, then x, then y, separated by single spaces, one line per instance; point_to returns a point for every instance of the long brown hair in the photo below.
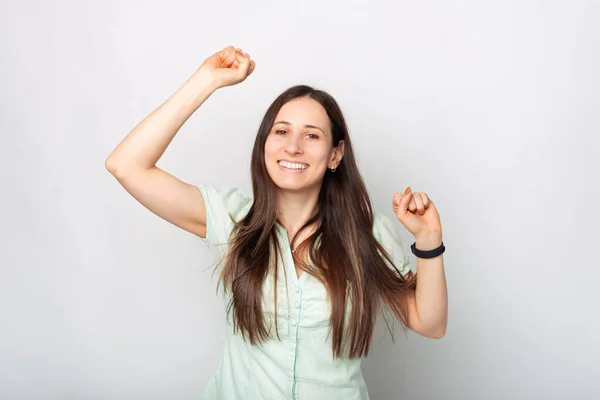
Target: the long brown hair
pixel 348 260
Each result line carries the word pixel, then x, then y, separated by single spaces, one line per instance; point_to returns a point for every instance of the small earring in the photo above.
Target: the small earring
pixel 333 169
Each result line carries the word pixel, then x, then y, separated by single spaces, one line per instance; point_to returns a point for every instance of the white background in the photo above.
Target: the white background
pixel 489 107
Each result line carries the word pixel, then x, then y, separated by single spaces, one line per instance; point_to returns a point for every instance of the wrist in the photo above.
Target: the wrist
pixel 426 242
pixel 197 89
pixel 203 82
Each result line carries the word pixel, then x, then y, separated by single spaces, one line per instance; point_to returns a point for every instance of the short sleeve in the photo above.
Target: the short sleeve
pixel 224 207
pixel 387 234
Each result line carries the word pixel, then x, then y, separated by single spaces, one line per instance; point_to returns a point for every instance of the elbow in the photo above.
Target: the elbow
pixel 116 168
pixel 110 166
pixel 434 332
pixel 121 167
pixel 439 332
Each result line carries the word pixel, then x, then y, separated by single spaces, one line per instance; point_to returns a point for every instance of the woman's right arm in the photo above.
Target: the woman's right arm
pixel 133 161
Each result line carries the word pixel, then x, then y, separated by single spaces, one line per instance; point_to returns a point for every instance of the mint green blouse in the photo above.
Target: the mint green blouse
pixel 299 364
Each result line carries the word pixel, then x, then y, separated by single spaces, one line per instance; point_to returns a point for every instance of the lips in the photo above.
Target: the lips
pixel 291 165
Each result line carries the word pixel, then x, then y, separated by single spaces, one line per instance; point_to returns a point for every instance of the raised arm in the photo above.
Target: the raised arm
pixel 133 161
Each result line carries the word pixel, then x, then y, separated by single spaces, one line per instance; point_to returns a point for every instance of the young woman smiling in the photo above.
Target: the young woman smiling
pixel 305 263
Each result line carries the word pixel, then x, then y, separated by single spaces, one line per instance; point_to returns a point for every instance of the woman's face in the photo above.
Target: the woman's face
pixel 299 147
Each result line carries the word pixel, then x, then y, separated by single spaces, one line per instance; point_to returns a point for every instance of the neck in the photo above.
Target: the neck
pixel 295 208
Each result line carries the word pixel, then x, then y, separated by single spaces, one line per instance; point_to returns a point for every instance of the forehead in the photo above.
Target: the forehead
pixel 304 111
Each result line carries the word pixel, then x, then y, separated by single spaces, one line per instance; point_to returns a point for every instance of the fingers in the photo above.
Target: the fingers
pixel 236 58
pixel 400 202
pixel 236 61
pixel 252 64
pixel 229 57
pixel 251 68
pixel 225 55
pixel 241 62
pixel 229 61
pixel 396 202
pixel 417 202
pixel 244 62
pixel 426 200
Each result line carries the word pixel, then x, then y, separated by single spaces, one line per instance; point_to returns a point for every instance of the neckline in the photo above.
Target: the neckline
pixel 289 257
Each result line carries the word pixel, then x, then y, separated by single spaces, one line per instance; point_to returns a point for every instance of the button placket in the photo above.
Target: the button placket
pixel 295 315
pixel 294 327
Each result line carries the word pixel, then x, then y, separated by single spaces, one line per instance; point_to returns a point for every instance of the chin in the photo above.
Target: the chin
pixel 289 186
pixel 286 185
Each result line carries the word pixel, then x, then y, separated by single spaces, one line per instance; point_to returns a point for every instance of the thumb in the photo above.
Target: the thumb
pixel 404 202
pixel 400 202
pixel 243 63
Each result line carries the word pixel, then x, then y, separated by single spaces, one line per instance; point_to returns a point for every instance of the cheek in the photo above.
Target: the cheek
pixel 270 148
pixel 325 156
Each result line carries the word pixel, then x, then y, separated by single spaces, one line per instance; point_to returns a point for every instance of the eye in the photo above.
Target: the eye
pixel 312 136
pixel 280 132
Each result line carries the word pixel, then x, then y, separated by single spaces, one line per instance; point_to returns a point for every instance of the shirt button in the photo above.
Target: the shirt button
pixel 294 322
pixel 297 289
pixel 297 304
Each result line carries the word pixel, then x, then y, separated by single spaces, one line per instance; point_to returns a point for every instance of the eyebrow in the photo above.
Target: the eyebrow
pixel 306 126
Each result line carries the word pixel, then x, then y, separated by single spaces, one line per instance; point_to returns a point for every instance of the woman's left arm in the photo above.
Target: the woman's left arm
pixel 428 307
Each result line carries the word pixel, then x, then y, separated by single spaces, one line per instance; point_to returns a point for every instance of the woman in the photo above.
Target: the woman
pixel 305 264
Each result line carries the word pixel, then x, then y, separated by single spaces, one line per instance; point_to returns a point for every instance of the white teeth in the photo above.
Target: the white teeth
pixel 290 165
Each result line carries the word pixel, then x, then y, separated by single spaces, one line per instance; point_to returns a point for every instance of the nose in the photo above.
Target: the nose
pixel 293 144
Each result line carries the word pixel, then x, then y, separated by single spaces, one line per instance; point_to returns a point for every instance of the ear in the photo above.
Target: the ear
pixel 338 153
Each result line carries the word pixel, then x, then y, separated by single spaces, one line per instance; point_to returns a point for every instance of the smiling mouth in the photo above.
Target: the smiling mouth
pixel 293 166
